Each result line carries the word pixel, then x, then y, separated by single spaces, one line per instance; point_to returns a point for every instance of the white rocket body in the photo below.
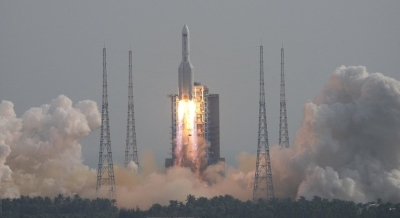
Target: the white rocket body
pixel 185 71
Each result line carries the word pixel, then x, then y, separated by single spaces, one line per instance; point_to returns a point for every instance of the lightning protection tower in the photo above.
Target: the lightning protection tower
pixel 263 187
pixel 105 170
pixel 283 126
pixel 131 148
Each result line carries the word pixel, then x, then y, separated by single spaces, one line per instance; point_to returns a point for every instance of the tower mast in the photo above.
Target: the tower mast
pixel 131 147
pixel 105 170
pixel 283 126
pixel 263 187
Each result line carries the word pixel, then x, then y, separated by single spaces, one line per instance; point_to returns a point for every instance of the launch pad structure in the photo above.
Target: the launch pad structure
pixel 195 128
pixel 131 154
pixel 283 125
pixel 263 187
pixel 195 135
pixel 207 124
pixel 105 170
pixel 195 125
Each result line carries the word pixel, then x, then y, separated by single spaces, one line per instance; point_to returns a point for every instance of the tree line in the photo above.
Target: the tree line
pixel 60 206
pixel 219 206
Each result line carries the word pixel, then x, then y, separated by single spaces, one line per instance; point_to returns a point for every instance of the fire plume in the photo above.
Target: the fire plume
pixel 187 149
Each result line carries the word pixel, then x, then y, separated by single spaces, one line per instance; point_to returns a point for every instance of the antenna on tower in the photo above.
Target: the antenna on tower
pixel 131 148
pixel 283 126
pixel 105 170
pixel 263 187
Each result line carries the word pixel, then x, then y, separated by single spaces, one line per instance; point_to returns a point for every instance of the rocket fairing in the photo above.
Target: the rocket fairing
pixel 185 71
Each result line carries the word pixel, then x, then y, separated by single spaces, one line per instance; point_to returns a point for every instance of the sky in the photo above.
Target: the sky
pixel 48 48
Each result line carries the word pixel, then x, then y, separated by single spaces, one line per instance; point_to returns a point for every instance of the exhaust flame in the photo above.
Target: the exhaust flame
pixel 187 147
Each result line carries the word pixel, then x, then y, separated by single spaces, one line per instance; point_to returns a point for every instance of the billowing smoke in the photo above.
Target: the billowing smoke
pixel 348 146
pixel 40 153
pixel 153 185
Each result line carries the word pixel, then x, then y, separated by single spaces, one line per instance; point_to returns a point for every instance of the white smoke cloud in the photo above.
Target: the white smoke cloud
pixel 348 144
pixel 132 166
pixel 176 183
pixel 42 152
pixel 9 127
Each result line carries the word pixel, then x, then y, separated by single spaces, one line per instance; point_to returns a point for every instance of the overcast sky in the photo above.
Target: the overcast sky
pixel 48 48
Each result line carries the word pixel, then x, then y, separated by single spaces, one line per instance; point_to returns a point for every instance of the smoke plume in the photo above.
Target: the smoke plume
pixel 348 143
pixel 347 147
pixel 40 153
pixel 153 185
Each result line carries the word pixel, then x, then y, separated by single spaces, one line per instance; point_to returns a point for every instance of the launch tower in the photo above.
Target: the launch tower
pixel 131 147
pixel 263 187
pixel 105 170
pixel 283 125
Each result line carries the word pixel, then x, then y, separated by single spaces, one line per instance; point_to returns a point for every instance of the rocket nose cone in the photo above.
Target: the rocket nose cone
pixel 185 29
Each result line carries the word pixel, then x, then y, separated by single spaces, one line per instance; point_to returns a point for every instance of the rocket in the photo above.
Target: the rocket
pixel 185 71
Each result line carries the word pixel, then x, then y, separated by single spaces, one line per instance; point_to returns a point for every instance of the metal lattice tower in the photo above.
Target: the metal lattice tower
pixel 174 105
pixel 263 187
pixel 131 148
pixel 283 126
pixel 105 170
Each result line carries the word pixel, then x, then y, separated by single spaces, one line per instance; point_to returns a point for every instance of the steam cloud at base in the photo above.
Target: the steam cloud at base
pixel 40 153
pixel 152 186
pixel 347 147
